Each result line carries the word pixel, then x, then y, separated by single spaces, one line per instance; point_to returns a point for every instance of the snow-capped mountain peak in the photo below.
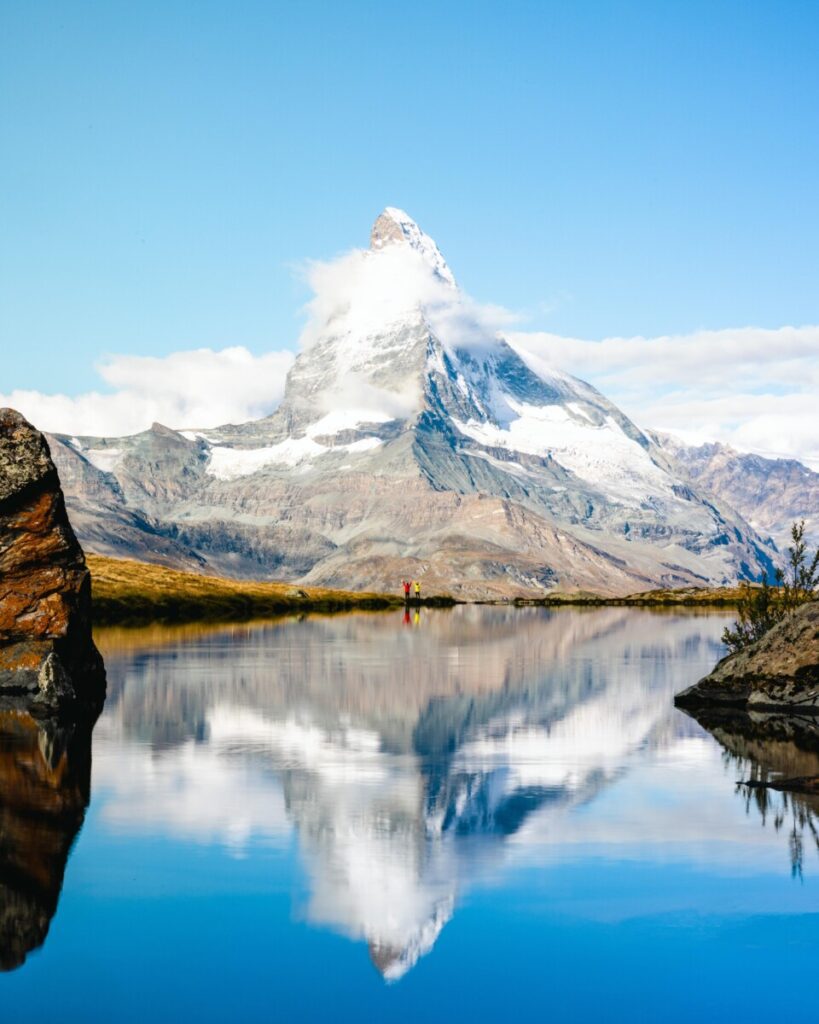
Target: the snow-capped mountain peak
pixel 394 225
pixel 413 440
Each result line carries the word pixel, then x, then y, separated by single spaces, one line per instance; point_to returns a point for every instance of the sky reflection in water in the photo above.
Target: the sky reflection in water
pixel 488 811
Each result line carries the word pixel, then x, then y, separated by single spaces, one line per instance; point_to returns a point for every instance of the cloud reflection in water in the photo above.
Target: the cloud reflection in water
pixel 410 763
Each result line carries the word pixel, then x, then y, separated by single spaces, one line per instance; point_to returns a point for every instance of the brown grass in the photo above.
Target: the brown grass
pixel 129 592
pixel 126 591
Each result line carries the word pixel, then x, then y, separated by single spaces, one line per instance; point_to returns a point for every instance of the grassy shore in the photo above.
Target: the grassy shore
pixel 128 592
pixel 135 592
pixel 701 597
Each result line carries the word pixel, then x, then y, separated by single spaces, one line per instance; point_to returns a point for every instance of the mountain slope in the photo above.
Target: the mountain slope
pixel 412 440
pixel 771 494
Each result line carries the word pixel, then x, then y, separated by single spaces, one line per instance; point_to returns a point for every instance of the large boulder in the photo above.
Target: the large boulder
pixel 47 656
pixel 779 672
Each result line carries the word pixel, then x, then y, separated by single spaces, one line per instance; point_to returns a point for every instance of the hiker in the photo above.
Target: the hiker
pixel 406 584
pixel 417 591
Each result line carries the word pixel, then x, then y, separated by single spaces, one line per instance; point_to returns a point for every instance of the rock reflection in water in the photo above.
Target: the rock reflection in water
pixel 406 759
pixel 45 772
pixel 765 749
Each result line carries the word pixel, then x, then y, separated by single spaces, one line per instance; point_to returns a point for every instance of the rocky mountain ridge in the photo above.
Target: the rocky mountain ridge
pixel 771 494
pixel 413 440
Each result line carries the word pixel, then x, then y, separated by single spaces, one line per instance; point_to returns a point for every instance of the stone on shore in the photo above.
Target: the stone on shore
pixel 47 656
pixel 779 672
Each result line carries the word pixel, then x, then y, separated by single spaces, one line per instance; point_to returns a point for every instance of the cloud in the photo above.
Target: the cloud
pixel 749 387
pixel 359 295
pixel 366 402
pixel 197 388
pixel 360 292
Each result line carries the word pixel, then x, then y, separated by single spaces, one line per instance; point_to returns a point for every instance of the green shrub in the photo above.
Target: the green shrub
pixel 761 608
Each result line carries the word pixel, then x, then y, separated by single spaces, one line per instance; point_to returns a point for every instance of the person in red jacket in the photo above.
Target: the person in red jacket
pixel 407 586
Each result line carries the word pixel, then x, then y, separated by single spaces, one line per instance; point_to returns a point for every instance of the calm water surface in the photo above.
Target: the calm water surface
pixel 479 814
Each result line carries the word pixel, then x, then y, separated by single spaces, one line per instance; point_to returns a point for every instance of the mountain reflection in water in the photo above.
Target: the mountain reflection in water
pixel 406 760
pixel 399 769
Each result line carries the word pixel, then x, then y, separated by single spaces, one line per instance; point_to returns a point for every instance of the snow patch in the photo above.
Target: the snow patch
pixel 230 463
pixel 509 467
pixel 366 444
pixel 346 419
pixel 104 459
pixel 578 410
pixel 295 453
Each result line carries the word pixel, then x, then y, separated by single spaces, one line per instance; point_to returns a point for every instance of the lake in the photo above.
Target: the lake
pixel 475 814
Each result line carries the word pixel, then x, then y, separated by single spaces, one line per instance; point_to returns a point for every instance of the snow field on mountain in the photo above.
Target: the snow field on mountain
pixel 346 419
pixel 232 463
pixel 601 455
pixel 104 459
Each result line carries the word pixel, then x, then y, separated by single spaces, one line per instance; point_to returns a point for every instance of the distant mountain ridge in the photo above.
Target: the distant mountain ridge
pixel 414 441
pixel 771 494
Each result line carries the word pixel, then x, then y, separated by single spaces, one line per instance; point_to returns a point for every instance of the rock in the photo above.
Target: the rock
pixel 47 655
pixel 779 672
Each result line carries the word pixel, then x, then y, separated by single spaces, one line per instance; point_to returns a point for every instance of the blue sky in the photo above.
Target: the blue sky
pixel 605 168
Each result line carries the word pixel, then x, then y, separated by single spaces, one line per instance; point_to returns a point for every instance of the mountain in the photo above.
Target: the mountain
pixel 412 440
pixel 771 494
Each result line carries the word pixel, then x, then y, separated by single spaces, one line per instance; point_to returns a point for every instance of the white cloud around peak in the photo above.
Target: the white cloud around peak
pixel 359 292
pixel 196 388
pixel 750 387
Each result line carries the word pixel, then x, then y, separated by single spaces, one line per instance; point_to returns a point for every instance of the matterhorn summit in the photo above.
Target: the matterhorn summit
pixel 395 226
pixel 412 441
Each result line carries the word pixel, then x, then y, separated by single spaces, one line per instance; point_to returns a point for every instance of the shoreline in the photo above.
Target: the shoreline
pixel 706 597
pixel 127 592
pixel 137 593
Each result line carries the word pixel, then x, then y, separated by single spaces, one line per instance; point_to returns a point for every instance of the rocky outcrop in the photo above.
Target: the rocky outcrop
pixel 778 672
pixel 47 656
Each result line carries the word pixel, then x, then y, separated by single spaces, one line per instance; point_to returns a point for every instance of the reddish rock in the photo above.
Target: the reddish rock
pixel 47 656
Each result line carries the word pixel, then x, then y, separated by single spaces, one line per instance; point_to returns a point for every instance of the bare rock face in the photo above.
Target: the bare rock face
pixel 47 656
pixel 771 494
pixel 779 672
